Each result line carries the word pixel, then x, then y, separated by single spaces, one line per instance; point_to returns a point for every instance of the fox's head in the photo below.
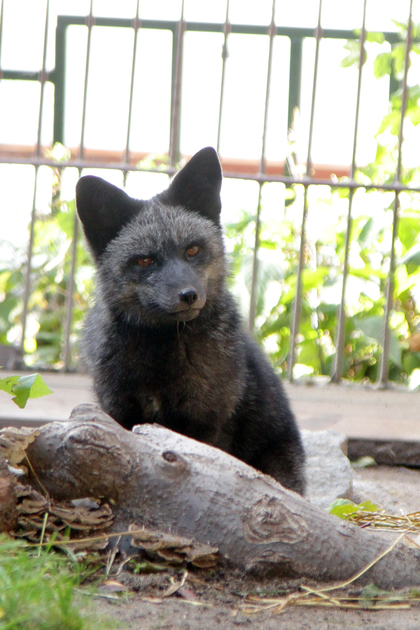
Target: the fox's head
pixel 161 260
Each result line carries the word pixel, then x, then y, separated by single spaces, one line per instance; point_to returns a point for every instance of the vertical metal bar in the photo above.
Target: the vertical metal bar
pixel 298 297
pixel 42 78
pixel 68 318
pixel 176 92
pixel 1 34
pixel 384 362
pixel 58 75
pixel 338 363
pixel 295 78
pixel 1 25
pixel 136 26
pixel 68 321
pixel 27 290
pixel 225 55
pixel 89 22
pixel 254 291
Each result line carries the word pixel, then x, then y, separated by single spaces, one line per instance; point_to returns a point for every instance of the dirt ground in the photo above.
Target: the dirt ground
pixel 224 612
pixel 209 601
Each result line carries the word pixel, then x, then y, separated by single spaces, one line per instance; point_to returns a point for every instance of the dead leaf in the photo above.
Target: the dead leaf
pixel 172 589
pixel 187 594
pixel 112 586
pixel 414 342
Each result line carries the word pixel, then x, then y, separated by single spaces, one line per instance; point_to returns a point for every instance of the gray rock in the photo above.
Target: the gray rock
pixel 328 471
pixel 330 476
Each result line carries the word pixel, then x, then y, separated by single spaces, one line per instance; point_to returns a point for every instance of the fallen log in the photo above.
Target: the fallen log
pixel 161 480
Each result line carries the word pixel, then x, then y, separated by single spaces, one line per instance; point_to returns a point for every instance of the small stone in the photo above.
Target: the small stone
pixel 329 474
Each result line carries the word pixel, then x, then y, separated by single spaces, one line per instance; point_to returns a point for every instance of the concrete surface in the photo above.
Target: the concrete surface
pixel 381 423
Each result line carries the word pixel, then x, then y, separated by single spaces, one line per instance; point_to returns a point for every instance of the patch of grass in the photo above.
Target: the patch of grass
pixel 37 590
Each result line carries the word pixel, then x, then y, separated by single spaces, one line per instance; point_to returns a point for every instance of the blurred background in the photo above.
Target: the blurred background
pixel 313 107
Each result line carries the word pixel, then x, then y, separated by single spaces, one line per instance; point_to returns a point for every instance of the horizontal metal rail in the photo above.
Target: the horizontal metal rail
pixel 260 178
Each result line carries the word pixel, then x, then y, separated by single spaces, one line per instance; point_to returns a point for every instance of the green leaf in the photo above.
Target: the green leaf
pixel 391 121
pixel 309 354
pixel 7 383
pixel 314 279
pixel 378 38
pixel 364 462
pixel 65 222
pixel 382 65
pixel 411 365
pixel 7 306
pixel 24 387
pixel 370 594
pixel 408 230
pixel 412 256
pixel 368 272
pixel 339 502
pixel 365 232
pixel 400 25
pixel 289 196
pixel 394 349
pixel 368 506
pixel 343 508
pixel 402 281
pixel 371 326
pixel 413 114
pixel 353 59
pixel 266 244
pixel 398 56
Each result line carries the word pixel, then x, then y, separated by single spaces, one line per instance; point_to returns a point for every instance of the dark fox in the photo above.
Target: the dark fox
pixel 164 342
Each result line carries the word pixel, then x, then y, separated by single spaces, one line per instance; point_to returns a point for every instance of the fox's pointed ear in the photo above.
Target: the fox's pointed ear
pixel 197 186
pixel 103 209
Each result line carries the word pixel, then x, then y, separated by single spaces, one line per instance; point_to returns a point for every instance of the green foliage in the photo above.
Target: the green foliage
pixel 50 277
pixel 369 254
pixel 24 387
pixel 37 590
pixel 369 260
pixel 322 283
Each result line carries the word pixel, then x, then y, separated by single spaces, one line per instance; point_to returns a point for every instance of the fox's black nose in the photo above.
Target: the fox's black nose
pixel 188 295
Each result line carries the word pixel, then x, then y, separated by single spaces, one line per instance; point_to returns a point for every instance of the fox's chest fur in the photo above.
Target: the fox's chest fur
pixel 189 378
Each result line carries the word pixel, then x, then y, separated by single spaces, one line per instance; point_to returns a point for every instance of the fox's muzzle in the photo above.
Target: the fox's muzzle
pixel 182 293
pixel 191 301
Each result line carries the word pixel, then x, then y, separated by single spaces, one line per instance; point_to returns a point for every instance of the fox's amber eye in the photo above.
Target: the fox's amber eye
pixel 192 251
pixel 145 262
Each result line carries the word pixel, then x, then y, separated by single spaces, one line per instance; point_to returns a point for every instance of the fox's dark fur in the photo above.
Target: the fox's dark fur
pixel 164 342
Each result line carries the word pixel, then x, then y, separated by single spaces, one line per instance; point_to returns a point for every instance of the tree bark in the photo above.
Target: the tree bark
pixel 162 480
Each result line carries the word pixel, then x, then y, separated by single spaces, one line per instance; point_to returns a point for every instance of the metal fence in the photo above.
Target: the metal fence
pixel 178 29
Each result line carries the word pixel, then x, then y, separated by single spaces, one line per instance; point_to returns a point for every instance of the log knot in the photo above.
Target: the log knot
pixel 269 520
pixel 173 465
pixel 170 456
